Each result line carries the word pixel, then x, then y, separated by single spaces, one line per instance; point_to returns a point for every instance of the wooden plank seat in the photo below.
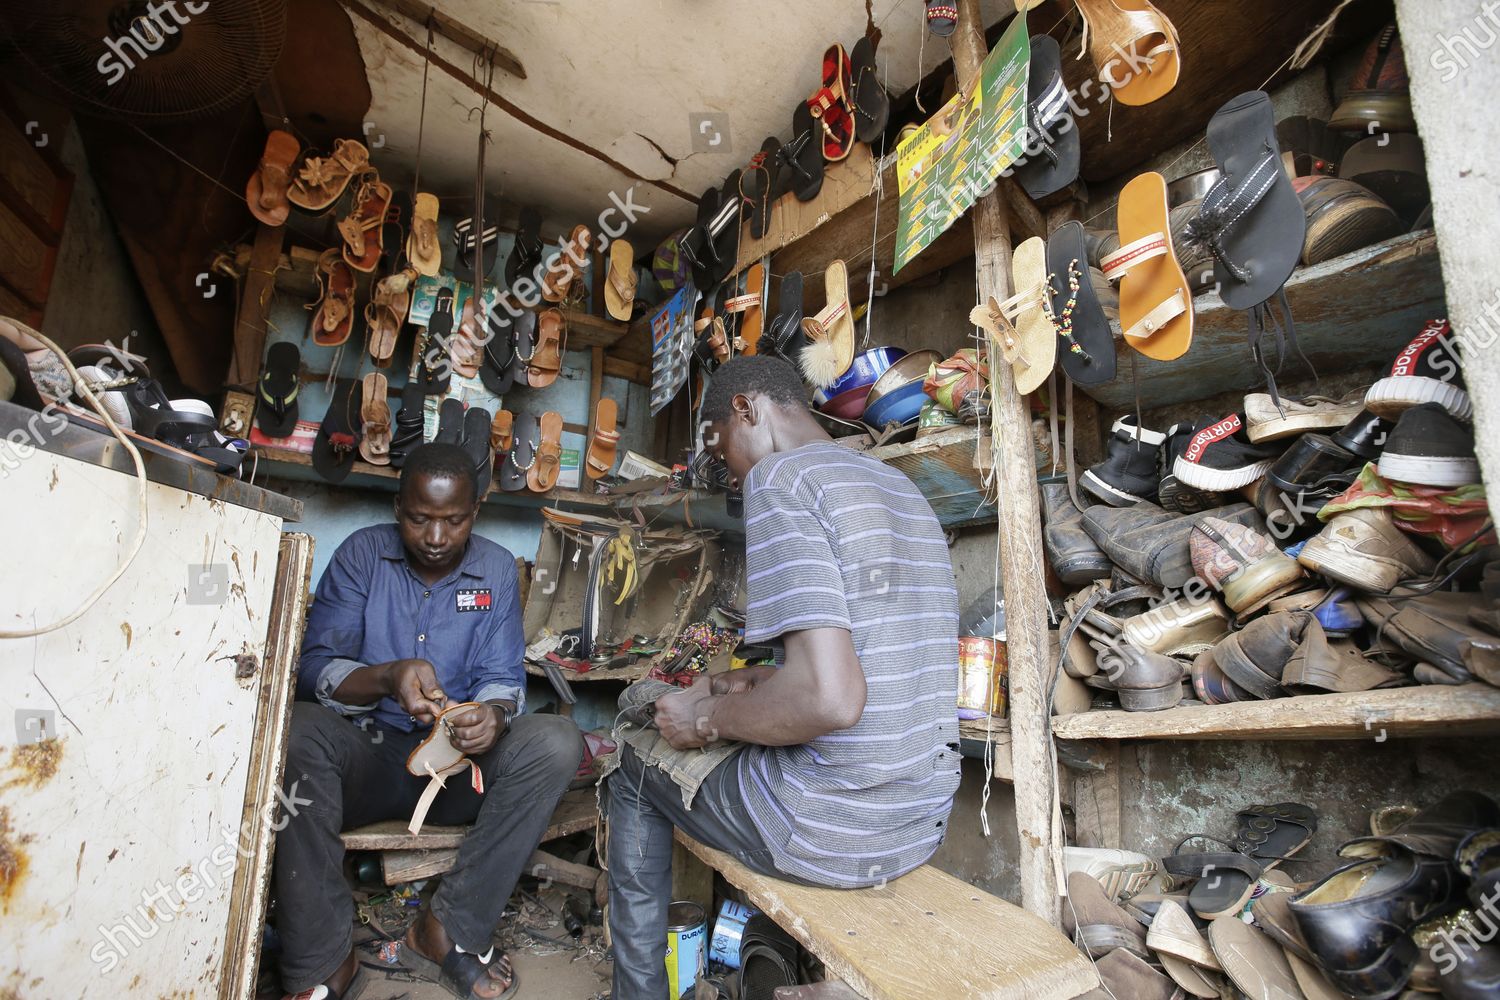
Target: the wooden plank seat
pixel 923 935
pixel 405 857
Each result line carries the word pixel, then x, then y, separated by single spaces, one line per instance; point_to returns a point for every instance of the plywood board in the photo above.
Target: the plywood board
pixel 923 935
pixel 577 812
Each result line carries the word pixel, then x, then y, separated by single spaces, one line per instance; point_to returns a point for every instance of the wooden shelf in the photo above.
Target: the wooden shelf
pixel 974 733
pixel 629 674
pixel 296 465
pixel 1356 310
pixel 1426 710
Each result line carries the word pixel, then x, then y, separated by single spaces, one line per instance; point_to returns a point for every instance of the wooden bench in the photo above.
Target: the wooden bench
pixel 921 936
pixel 434 851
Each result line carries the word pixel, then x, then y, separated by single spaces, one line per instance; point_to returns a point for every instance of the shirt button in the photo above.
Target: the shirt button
pixel 422 637
pixel 426 594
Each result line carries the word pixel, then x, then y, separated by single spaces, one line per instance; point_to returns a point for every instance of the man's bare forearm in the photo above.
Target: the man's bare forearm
pixel 365 686
pixel 776 712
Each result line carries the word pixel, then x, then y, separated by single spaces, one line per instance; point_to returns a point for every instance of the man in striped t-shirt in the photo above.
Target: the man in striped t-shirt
pixel 850 760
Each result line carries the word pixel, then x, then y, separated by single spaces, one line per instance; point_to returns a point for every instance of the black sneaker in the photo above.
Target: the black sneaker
pixel 1175 495
pixel 1430 448
pixel 1128 474
pixel 1312 472
pixel 1221 457
pixel 1426 371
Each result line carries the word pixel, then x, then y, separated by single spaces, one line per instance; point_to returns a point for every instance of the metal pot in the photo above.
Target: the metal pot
pixel 1192 187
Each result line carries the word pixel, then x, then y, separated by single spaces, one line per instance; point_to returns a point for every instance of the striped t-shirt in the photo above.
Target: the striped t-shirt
pixel 838 539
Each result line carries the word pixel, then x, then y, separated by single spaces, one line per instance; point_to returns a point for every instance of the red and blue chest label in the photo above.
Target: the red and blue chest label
pixel 473 600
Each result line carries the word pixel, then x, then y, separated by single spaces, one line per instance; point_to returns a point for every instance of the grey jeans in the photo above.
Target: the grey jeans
pixel 339 777
pixel 644 805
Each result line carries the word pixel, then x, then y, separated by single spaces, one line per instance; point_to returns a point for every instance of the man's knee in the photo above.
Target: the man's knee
pixel 552 740
pixel 311 737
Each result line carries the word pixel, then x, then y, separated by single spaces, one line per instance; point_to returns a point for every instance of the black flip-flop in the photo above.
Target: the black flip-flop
pixel 458 973
pixel 527 253
pixel 699 245
pixel 526 433
pixel 1270 834
pixel 1087 348
pixel 726 229
pixel 407 436
pixel 1226 879
pixel 757 184
pixel 337 444
pixel 436 364
pixel 276 407
pixel 450 422
pixel 496 369
pixel 1052 147
pixel 475 253
pixel 523 339
pixel 782 334
pixel 872 107
pixel 1251 220
pixel 802 156
pixel 476 441
pixel 397 223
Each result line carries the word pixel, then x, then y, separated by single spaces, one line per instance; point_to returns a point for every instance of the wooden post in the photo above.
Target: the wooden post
pixel 1019 526
pixel 255 304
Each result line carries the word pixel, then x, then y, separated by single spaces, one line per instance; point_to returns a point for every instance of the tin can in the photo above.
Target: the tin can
pixel 724 946
pixel 687 947
pixel 982 671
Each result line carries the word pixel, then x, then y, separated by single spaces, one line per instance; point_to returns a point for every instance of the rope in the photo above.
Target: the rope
pixel 416 181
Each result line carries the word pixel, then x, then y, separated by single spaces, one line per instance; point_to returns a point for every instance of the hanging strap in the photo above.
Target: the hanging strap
pixel 436 784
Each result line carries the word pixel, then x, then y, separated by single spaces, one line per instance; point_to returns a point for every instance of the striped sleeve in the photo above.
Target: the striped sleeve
pixel 792 576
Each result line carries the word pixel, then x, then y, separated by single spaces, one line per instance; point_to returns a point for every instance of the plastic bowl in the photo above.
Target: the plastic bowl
pixel 912 368
pixel 848 405
pixel 866 368
pixel 899 406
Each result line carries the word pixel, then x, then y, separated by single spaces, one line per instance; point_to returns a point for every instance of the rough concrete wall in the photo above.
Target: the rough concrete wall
pixel 1455 69
pixel 986 862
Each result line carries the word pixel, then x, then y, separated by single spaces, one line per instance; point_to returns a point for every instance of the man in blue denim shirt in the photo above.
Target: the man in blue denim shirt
pixel 409 619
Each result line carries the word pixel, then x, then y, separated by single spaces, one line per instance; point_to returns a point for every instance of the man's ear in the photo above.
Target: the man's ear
pixel 745 408
pixel 396 506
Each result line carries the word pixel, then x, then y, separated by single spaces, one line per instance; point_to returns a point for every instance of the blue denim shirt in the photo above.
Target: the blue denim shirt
pixel 371 608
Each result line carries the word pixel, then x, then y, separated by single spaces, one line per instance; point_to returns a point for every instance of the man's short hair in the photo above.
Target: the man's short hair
pixel 438 460
pixel 772 377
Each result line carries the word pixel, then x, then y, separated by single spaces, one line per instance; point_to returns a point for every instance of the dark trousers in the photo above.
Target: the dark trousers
pixel 339 777
pixel 644 805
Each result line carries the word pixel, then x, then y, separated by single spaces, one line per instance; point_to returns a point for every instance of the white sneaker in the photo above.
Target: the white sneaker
pixel 1267 423
pixel 1365 549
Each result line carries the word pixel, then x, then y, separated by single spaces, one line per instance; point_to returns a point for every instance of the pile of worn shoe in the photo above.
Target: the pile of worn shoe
pixel 1412 907
pixel 1365 558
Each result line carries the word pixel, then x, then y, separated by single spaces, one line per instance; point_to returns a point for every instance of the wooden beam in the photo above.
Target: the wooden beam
pixel 425 14
pixel 692 880
pixel 255 305
pixel 1019 513
pixel 618 368
pixel 411 866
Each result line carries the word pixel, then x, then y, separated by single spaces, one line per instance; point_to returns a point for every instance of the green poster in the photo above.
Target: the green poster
pixel 943 167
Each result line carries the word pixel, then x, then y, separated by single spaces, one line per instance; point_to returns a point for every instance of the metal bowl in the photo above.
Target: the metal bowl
pixel 847 405
pixel 1192 187
pixel 863 372
pixel 911 368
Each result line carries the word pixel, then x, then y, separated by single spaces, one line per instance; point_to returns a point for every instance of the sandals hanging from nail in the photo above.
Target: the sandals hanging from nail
pixel 333 317
pixel 1021 324
pixel 322 180
pixel 1135 48
pixel 266 191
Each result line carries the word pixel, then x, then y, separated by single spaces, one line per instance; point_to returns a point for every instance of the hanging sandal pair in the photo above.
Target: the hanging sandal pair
pixel 1021 326
pixel 1135 48
pixel 363 228
pixel 390 301
pixel 830 106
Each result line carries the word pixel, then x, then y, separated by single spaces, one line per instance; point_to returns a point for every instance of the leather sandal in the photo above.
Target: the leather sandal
pixel 502 431
pixel 460 970
pixel 321 181
pixel 266 191
pixel 435 758
pixel 390 300
pixel 830 334
pixel 750 306
pixel 422 246
pixel 363 228
pixel 621 280
pixel 375 413
pixel 1126 33
pixel 1022 325
pixel 605 440
pixel 829 104
pixel 544 470
pixel 333 318
pixel 1156 311
pixel 564 270
pixel 546 360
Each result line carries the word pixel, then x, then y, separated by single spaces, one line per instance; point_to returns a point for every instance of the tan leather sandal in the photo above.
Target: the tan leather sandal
pixel 560 281
pixel 334 316
pixel 546 360
pixel 548 464
pixel 389 303
pixel 605 440
pixel 436 757
pixel 266 191
pixel 323 179
pixel 363 228
pixel 422 247
pixel 375 416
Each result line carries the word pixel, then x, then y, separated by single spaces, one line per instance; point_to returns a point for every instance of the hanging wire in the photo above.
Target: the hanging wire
pixel 416 181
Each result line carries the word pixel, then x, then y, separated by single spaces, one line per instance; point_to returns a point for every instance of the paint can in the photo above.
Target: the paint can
pixel 982 670
pixel 687 947
pixel 724 946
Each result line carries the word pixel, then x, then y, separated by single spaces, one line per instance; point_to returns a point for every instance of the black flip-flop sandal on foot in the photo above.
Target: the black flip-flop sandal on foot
pixel 476 441
pixel 523 341
pixel 1271 834
pixel 525 435
pixel 756 185
pixel 527 253
pixel 783 334
pixel 1087 350
pixel 872 107
pixel 802 157
pixel 460 970
pixel 1052 147
pixel 1253 224
pixel 276 409
pixel 450 422
pixel 337 443
pixel 1226 879
pixel 409 424
pixel 496 370
pixel 942 17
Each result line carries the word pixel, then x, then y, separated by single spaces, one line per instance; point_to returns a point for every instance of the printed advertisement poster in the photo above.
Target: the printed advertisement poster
pixel 943 167
pixel 671 347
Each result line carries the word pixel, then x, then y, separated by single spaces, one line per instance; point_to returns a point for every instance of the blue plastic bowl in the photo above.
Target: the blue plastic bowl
pixel 867 367
pixel 899 405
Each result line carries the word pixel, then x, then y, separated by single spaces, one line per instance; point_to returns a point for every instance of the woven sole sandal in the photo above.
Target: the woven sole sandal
pixel 830 334
pixel 1020 324
pixel 375 416
pixel 621 280
pixel 322 180
pixel 363 228
pixel 280 381
pixel 829 104
pixel 334 317
pixel 1134 47
pixel 1156 306
pixel 544 471
pixel 546 361
pixel 266 190
pixel 422 247
pixel 1086 344
pixel 605 440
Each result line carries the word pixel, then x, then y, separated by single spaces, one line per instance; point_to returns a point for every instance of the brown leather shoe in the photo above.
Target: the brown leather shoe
pixel 1096 923
pixel 1125 975
pixel 1145 681
pixel 1321 664
pixel 1434 628
pixel 1178 628
pixel 1255 657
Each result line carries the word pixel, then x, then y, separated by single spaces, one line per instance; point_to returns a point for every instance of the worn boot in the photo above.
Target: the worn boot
pixel 1145 681
pixel 1320 665
pixel 1151 544
pixel 1129 472
pixel 1074 557
pixel 1255 657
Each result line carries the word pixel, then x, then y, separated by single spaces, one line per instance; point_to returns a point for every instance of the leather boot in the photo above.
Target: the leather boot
pixel 1320 665
pixel 1151 544
pixel 1074 557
